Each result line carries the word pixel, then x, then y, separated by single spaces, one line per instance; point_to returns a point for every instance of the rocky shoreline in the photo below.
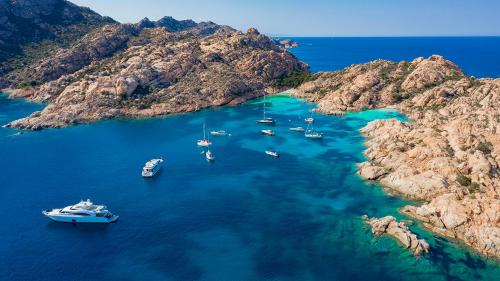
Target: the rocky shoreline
pixel 158 73
pixel 399 231
pixel 448 155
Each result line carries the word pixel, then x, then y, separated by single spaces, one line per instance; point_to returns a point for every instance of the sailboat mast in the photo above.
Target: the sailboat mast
pixel 264 106
pixel 204 134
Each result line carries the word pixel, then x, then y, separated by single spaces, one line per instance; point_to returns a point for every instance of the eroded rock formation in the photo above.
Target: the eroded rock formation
pixel 390 226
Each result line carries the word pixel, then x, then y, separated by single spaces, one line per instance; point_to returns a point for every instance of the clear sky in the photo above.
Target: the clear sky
pixel 321 17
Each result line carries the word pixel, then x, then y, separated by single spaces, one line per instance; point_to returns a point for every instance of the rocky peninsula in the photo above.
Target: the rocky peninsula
pixel 390 226
pixel 448 155
pixel 150 69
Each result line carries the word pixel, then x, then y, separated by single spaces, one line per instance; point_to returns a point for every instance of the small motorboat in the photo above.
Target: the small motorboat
pixel 210 156
pixel 268 132
pixel 309 120
pixel 219 133
pixel 272 153
pixel 297 129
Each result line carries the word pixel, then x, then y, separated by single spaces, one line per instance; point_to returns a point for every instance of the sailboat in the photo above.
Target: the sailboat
pixel 266 120
pixel 312 134
pixel 204 142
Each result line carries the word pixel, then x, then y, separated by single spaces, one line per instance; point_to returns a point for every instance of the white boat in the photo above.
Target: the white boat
pixel 266 120
pixel 83 212
pixel 219 133
pixel 312 134
pixel 152 167
pixel 297 129
pixel 209 155
pixel 309 120
pixel 272 153
pixel 267 132
pixel 205 142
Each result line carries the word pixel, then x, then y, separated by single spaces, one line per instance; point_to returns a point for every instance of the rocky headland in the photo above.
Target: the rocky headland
pixel 398 230
pixel 447 156
pixel 149 69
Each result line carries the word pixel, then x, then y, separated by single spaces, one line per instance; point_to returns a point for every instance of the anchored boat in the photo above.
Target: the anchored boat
pixel 266 120
pixel 205 142
pixel 267 132
pixel 297 129
pixel 209 155
pixel 152 167
pixel 219 133
pixel 272 153
pixel 83 212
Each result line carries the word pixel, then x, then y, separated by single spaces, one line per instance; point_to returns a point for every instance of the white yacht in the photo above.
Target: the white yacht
pixel 266 120
pixel 267 132
pixel 205 142
pixel 152 167
pixel 209 155
pixel 84 212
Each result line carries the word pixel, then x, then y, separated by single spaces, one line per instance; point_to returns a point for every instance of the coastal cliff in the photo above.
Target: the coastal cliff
pixel 448 155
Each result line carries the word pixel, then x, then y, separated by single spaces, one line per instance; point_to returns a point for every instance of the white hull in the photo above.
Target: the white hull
pixel 82 219
pixel 152 173
pixel 152 168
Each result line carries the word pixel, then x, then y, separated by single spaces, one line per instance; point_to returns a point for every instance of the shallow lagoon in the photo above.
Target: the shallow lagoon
pixel 244 217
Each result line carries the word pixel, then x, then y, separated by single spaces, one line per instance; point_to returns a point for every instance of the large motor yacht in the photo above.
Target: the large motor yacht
pixel 84 212
pixel 152 167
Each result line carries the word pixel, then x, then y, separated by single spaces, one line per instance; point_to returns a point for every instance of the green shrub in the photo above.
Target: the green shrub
pixel 473 187
pixel 463 180
pixel 295 79
pixel 484 148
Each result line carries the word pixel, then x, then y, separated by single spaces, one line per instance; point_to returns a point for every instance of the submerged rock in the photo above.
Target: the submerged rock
pixel 390 226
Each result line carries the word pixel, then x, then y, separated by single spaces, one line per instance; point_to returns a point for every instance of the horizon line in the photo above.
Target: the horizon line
pixel 377 36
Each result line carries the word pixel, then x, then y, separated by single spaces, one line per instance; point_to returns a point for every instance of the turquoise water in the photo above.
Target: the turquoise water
pixel 244 217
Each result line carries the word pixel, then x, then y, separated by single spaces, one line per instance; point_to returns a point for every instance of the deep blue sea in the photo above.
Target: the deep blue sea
pixel 477 56
pixel 244 217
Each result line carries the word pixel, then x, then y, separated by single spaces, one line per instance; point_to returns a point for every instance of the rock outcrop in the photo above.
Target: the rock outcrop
pixel 158 73
pixel 448 155
pixel 390 226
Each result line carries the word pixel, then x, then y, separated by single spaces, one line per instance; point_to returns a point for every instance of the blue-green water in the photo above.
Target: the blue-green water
pixel 244 217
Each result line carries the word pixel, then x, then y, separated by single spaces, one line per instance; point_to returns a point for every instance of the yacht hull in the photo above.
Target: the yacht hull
pixel 81 219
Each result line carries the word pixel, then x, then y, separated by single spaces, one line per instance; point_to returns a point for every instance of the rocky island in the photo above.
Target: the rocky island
pixel 448 155
pixel 147 69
